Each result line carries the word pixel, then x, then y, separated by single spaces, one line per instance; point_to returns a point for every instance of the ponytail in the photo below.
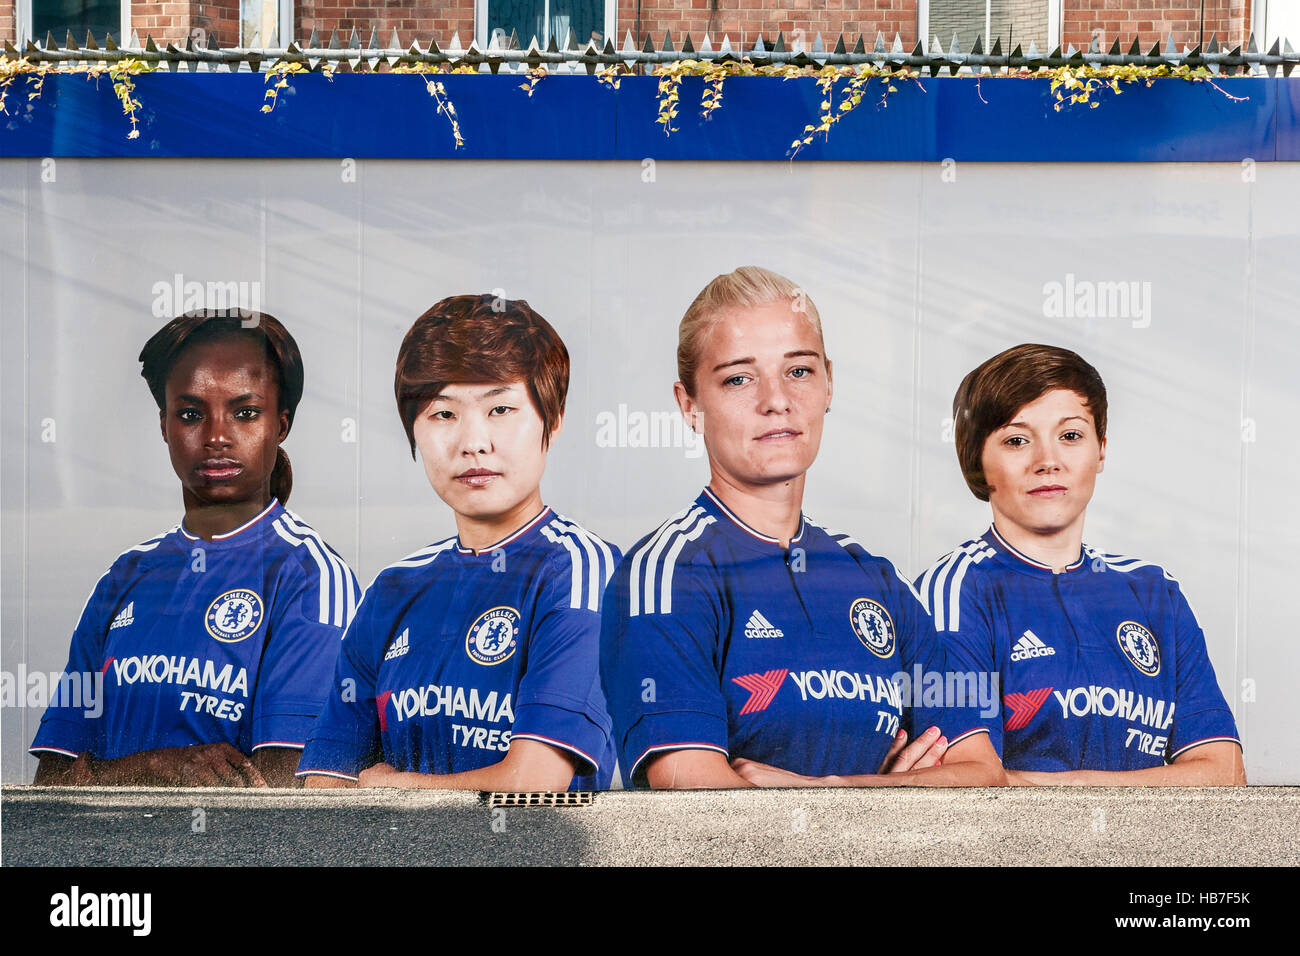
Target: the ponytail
pixel 281 477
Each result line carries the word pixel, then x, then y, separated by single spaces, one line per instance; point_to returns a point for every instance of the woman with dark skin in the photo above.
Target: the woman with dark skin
pixel 215 640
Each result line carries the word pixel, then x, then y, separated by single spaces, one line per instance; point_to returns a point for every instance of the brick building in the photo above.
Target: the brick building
pixel 1045 22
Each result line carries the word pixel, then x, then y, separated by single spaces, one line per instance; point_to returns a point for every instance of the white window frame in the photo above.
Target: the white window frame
pixel 1259 21
pixel 284 11
pixel 1053 25
pixel 481 21
pixel 23 24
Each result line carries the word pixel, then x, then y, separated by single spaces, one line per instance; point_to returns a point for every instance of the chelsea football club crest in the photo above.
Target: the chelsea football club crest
pixel 873 625
pixel 1140 647
pixel 494 636
pixel 234 616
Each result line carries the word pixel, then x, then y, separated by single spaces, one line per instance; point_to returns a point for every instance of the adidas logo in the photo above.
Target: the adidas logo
pixel 759 626
pixel 1030 645
pixel 399 646
pixel 125 617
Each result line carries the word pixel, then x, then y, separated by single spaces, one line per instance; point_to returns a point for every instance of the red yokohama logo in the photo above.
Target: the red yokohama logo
pixel 762 688
pixel 1024 706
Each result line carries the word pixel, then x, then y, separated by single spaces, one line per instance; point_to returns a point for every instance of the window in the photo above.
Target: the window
pixel 1014 21
pixel 1275 19
pixel 259 23
pixel 588 19
pixel 36 18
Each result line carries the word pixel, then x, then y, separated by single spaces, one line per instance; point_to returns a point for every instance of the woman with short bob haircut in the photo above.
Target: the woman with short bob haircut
pixel 1104 672
pixel 743 644
pixel 471 663
pixel 216 639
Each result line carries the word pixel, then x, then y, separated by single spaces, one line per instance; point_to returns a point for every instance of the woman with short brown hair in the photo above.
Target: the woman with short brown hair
pixel 1103 667
pixel 471 664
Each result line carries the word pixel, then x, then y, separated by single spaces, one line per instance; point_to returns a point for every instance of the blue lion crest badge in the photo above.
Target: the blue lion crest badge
pixel 494 636
pixel 1140 647
pixel 873 625
pixel 234 616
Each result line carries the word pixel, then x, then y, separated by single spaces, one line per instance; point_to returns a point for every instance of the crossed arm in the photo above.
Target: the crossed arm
pixel 1214 764
pixel 527 766
pixel 928 762
pixel 925 762
pixel 200 765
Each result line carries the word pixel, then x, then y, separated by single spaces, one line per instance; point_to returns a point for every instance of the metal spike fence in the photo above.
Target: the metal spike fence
pixel 503 51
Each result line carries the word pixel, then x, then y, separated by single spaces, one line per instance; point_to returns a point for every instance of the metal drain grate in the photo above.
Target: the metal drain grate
pixel 578 798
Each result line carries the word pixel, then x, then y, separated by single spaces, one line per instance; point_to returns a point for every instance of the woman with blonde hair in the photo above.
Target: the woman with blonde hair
pixel 743 644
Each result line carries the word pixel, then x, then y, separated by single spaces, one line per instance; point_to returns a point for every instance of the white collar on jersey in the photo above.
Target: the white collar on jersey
pixel 230 534
pixel 488 549
pixel 1017 553
pixel 746 528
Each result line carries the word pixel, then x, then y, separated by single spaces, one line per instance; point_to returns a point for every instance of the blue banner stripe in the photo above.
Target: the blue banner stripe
pixel 576 117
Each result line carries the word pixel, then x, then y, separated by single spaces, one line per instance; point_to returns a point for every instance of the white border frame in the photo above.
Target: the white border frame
pixel 1054 17
pixel 23 23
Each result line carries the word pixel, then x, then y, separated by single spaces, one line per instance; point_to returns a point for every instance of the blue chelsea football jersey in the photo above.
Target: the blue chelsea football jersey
pixel 716 637
pixel 195 641
pixel 454 653
pixel 1102 666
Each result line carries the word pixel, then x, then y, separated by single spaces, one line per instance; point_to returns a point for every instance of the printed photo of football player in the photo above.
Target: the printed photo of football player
pixel 743 644
pixel 215 641
pixel 472 663
pixel 1103 668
